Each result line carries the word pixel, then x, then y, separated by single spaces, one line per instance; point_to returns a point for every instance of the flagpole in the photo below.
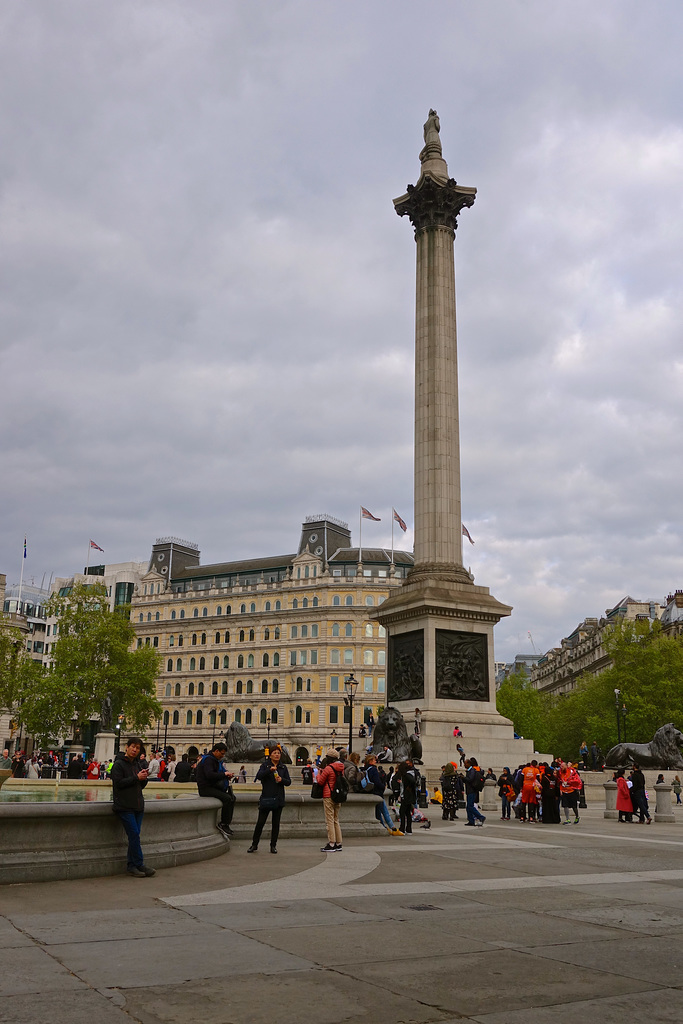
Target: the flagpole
pixel 87 564
pixel 360 536
pixel 393 513
pixel 21 578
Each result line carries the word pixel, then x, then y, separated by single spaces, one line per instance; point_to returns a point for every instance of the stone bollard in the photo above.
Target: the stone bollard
pixel 663 808
pixel 610 800
pixel 489 796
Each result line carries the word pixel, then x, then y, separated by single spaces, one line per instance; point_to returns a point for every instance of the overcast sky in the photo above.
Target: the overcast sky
pixel 207 300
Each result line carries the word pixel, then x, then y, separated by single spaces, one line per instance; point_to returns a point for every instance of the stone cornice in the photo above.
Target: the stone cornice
pixel 430 204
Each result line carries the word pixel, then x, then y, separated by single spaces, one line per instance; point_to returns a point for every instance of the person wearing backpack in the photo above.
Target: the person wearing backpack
pixel 474 783
pixel 335 788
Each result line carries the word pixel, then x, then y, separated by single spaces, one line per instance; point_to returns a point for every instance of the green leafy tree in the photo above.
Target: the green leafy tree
pixel 17 668
pixel 92 656
pixel 527 708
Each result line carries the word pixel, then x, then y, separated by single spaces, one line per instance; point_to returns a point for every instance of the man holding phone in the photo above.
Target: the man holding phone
pixel 128 780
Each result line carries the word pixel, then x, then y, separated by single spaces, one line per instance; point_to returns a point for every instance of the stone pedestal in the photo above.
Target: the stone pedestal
pixel 610 800
pixel 105 743
pixel 663 808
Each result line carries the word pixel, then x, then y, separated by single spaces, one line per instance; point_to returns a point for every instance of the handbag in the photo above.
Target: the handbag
pixel 269 803
pixel 316 791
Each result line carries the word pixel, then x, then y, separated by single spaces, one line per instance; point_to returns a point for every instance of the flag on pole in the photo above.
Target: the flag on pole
pixel 466 533
pixel 368 515
pixel 398 519
pixel 24 547
pixel 96 546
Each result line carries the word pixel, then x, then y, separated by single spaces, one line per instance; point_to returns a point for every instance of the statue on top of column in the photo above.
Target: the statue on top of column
pixel 431 132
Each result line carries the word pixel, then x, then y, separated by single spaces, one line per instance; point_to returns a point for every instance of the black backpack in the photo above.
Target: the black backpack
pixel 340 790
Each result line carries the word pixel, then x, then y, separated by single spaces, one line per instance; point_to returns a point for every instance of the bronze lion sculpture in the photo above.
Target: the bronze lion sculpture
pixel 661 752
pixel 241 747
pixel 391 731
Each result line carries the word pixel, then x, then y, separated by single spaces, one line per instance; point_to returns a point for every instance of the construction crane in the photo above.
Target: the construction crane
pixel 532 642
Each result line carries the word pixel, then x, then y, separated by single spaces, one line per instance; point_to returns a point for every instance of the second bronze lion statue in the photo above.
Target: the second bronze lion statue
pixel 241 747
pixel 661 752
pixel 391 731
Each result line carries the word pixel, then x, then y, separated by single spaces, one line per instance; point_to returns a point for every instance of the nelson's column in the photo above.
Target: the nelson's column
pixel 439 624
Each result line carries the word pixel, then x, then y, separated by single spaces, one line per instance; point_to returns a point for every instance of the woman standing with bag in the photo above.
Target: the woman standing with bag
pixel 273 777
pixel 330 768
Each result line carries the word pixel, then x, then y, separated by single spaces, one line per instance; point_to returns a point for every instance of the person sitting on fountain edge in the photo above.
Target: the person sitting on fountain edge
pixel 213 780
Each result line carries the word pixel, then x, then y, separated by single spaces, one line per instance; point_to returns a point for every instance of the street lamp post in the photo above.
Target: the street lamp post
pixel 158 731
pixel 165 729
pixel 213 738
pixel 624 713
pixel 350 685
pixel 268 725
pixel 617 695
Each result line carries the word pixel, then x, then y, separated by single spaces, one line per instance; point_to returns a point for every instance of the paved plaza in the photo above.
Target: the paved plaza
pixel 505 924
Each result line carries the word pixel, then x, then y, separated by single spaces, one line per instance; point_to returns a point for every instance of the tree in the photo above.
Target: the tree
pixel 527 708
pixel 17 668
pixel 92 656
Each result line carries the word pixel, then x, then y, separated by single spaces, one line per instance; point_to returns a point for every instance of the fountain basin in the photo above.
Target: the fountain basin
pixel 44 842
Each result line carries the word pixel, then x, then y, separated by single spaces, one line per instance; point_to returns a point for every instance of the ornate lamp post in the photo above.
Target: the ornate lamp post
pixel 268 720
pixel 617 695
pixel 350 686
pixel 213 737
pixel 624 713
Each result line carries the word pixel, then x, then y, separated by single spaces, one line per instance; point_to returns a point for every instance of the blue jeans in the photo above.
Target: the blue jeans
pixel 505 812
pixel 382 814
pixel 472 811
pixel 132 822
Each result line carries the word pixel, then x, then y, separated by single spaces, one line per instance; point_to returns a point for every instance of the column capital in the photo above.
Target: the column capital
pixel 430 204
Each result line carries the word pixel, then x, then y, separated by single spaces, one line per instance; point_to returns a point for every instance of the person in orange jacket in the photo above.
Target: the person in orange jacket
pixel 529 796
pixel 570 787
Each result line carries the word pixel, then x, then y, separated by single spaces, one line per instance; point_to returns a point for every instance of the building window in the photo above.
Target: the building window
pixel 304 603
pixel 380 684
pixel 200 689
pixel 348 599
pixel 176 718
pixel 243 609
pixel 241 636
pixel 298 714
pixel 367 684
pixel 336 600
pixel 250 661
pixel 273 716
pixel 180 640
pixel 218 638
pixel 238 687
pixel 348 629
pixel 240 661
pixel 348 657
pixel 250 686
pixel 227 636
pixel 212 717
pixel 171 640
pixel 214 689
pixel 367 657
pixel 252 607
pixel 146 643
pixel 267 606
pixel 336 572
pixel 247 716
pixel 276 686
pixel 179 665
pixel 200 718
pixel 205 612
pixel 334 657
pixel 169 664
pixel 266 661
pixel 219 610
pixel 294 632
pixel 182 613
pixel 223 717
pixel 139 641
pixel 238 715
pixel 264 686
pixel 173 614
pixel 177 690
pixel 204 639
pixel 334 684
pixel 195 613
pixel 193 664
pixel 304 632
pixel 157 617
pixel 368 629
pixel 226 661
pixel 266 634
pixel 302 657
pixel 202 664
pixel 369 600
pixel 216 661
pixel 251 635
pixel 263 716
pixel 295 603
pixel 308 685
pixel 277 632
pixel 228 610
pixel 335 629
pixel 381 657
pixel 194 639
pixel 314 630
pixel 224 686
pixel 315 599
pixel 168 689
pixel 314 657
pixel 276 659
pixel 334 715
pixel 188 718
pixel 278 606
pixel 299 684
pixel 292 657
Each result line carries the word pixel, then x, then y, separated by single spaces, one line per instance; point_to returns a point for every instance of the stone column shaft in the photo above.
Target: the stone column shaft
pixel 438 528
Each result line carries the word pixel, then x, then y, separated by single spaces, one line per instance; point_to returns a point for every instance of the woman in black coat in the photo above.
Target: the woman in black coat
pixel 273 776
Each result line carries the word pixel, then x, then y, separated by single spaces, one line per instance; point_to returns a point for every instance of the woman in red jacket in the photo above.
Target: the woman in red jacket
pixel 624 804
pixel 327 776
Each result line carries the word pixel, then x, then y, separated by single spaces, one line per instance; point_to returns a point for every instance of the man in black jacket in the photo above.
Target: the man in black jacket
pixel 128 780
pixel 638 795
pixel 474 783
pixel 213 781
